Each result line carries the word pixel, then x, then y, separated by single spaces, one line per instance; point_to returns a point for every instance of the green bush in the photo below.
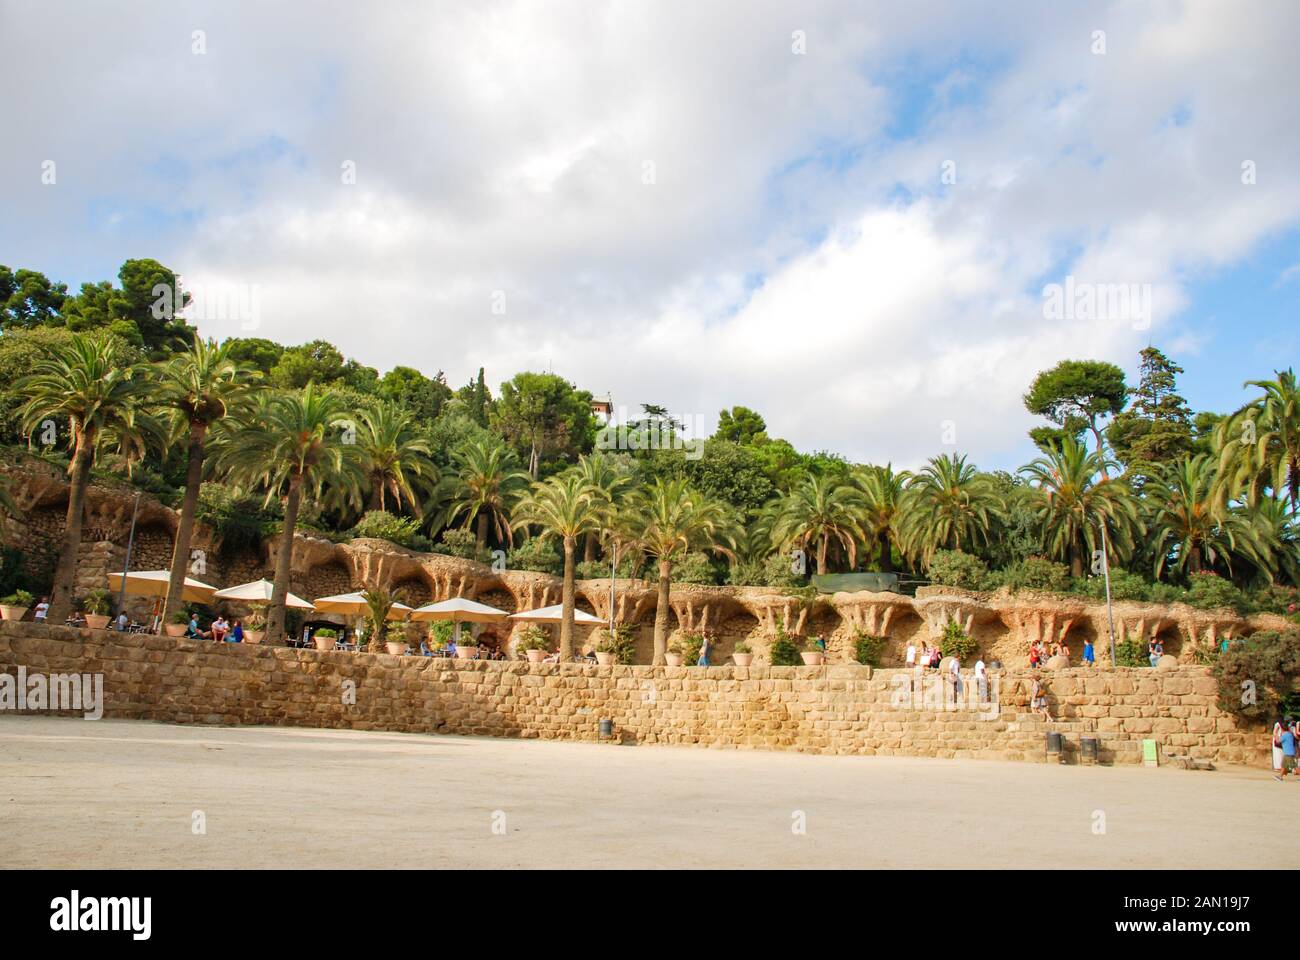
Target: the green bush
pixel 785 652
pixel 538 555
pixel 1132 653
pixel 1275 598
pixel 385 526
pixel 628 566
pixel 1037 573
pixel 868 648
pixel 1165 593
pixel 1209 591
pixel 953 568
pixel 239 522
pixel 1123 586
pixel 461 542
pixel 955 642
pixel 1256 674
pixel 691 644
pixel 694 568
pixel 622 645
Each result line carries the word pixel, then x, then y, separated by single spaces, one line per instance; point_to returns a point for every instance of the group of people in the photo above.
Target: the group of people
pixel 1286 734
pixel 221 630
pixel 928 656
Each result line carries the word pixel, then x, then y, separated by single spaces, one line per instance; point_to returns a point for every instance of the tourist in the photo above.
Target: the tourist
pixel 1089 655
pixel 122 622
pixel 703 661
pixel 911 654
pixel 936 657
pixel 451 649
pixel 219 628
pixel 1038 699
pixel 982 680
pixel 1065 650
pixel 1035 656
pixel 1154 651
pixel 552 657
pixel 1288 748
pixel 1277 746
pixel 42 610
pixel 236 632
pixel 192 631
pixel 954 677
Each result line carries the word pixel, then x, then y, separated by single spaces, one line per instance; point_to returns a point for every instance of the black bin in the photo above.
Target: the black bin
pixel 1088 749
pixel 1053 743
pixel 606 728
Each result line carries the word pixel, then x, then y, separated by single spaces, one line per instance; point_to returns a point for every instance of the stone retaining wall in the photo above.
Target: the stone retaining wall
pixel 840 708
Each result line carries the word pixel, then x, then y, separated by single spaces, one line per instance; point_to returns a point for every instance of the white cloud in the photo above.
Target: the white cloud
pixel 502 147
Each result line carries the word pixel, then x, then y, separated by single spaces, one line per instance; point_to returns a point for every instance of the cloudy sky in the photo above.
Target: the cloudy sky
pixel 843 215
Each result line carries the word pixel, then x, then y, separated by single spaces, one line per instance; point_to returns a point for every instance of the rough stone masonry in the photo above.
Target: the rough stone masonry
pixel 839 708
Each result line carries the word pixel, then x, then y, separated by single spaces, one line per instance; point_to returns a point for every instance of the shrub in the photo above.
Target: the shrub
pixel 237 522
pixel 1132 652
pixel 694 568
pixel 537 554
pixel 1124 585
pixel 534 638
pixel 867 648
pixel 628 566
pixel 19 598
pixel 691 644
pixel 1257 673
pixel 1276 599
pixel 773 570
pixel 385 526
pixel 1037 573
pixel 622 645
pixel 785 652
pixel 953 568
pixel 98 601
pixel 1209 591
pixel 1166 593
pixel 461 542
pixel 955 642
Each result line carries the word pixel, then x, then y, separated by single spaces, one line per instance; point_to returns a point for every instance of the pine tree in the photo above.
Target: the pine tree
pixel 1157 426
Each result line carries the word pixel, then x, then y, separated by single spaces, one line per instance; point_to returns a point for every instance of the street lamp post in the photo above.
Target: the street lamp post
pixel 1105 572
pixel 130 545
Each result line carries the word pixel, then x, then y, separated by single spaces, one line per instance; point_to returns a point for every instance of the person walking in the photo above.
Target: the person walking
pixel 703 661
pixel 910 659
pixel 1288 749
pixel 1277 748
pixel 1089 655
pixel 42 610
pixel 982 680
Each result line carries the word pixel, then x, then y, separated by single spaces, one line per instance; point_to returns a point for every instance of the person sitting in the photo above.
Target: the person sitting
pixel 552 657
pixel 236 632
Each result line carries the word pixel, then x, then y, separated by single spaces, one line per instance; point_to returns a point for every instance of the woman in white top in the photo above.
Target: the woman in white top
pixel 911 654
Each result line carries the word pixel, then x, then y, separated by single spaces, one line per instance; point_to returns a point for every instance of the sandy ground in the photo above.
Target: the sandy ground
pixel 123 794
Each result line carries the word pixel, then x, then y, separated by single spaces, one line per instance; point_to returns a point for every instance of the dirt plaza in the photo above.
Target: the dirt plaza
pixel 118 793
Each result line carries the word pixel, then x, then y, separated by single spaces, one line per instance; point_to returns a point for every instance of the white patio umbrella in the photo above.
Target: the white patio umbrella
pixel 354 605
pixel 259 592
pixel 153 583
pixel 459 610
pixel 554 615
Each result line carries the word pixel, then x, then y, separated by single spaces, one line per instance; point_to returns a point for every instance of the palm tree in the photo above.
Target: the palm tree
pixel 1279 529
pixel 1189 522
pixel 882 514
pixel 819 511
pixel 293 448
pixel 948 505
pixel 567 507
pixel 1259 445
pixel 666 520
pixel 1072 495
pixel 85 381
pixel 198 388
pixel 487 482
pixel 395 455
pixel 378 604
pixel 602 474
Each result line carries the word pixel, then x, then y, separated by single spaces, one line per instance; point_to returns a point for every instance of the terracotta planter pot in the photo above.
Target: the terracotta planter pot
pixel 13 613
pixel 325 643
pixel 466 653
pixel 254 636
pixel 535 656
pixel 742 659
pixel 604 659
pixel 396 649
pixel 174 629
pixel 98 621
pixel 673 659
pixel 812 658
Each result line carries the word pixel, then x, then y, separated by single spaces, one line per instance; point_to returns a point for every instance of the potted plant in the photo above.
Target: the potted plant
pixel 534 643
pixel 814 655
pixel 255 627
pixel 674 656
pixel 180 623
pixel 325 638
pixel 98 604
pixel 742 655
pixel 16 605
pixel 396 647
pixel 606 652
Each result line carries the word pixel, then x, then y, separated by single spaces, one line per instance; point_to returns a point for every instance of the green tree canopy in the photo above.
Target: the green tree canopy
pixel 1077 395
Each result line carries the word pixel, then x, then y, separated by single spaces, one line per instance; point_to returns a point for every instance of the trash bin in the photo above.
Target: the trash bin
pixel 1088 749
pixel 1054 745
pixel 606 728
